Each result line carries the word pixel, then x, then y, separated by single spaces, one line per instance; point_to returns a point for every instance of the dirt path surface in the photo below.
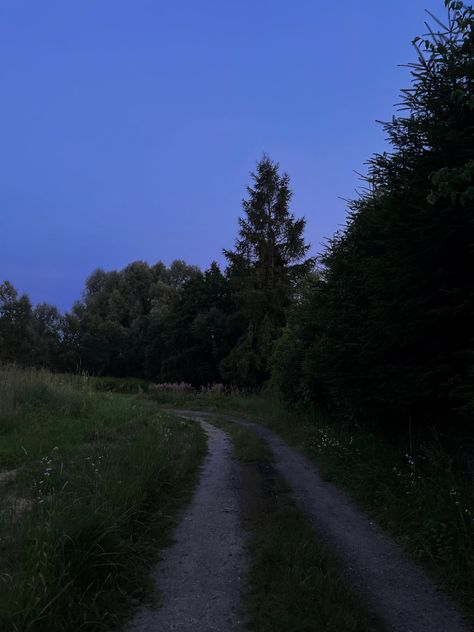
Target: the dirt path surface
pixel 402 597
pixel 199 577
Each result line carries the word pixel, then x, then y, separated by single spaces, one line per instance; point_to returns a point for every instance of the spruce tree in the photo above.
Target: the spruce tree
pixel 265 270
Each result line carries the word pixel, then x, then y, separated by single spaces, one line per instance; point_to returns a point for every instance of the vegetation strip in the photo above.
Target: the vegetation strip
pixel 248 447
pixel 102 477
pixel 294 584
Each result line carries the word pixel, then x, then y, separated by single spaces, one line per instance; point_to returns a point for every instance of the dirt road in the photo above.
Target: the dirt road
pixel 399 593
pixel 199 577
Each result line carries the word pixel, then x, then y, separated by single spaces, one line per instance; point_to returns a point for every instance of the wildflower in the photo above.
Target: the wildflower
pixel 411 460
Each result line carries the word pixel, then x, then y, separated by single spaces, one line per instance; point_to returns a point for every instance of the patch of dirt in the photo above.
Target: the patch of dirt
pixel 199 577
pixel 397 591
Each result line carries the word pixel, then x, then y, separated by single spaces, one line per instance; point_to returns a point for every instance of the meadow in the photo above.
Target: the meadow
pixel 90 484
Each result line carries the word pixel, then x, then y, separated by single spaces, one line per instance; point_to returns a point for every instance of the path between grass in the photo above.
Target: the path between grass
pixel 199 577
pixel 398 592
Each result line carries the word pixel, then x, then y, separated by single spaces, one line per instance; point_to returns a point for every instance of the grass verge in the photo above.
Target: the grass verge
pixel 98 478
pixel 247 446
pixel 294 584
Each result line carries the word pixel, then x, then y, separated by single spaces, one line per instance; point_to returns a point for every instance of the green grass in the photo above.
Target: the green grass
pixel 99 477
pixel 127 385
pixel 207 400
pixel 293 584
pixel 247 446
pixel 425 500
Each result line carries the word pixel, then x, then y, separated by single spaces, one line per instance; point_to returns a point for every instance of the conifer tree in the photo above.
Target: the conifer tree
pixel 386 333
pixel 265 269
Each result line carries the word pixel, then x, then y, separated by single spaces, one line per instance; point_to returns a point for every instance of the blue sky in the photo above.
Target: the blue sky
pixel 128 127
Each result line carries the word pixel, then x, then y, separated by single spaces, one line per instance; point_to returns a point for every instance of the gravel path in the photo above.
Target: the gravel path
pixel 398 592
pixel 199 577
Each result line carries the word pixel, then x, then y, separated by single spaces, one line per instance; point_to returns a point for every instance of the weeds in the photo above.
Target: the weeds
pixel 420 498
pixel 102 474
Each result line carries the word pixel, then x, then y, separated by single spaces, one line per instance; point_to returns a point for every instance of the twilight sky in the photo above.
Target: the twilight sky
pixel 128 127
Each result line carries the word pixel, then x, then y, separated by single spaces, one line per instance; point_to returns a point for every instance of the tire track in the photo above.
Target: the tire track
pixel 199 576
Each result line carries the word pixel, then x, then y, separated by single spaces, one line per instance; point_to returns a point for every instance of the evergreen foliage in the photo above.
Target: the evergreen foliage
pixel 265 271
pixel 386 332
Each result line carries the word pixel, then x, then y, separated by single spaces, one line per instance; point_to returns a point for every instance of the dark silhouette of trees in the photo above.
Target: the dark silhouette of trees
pixel 265 270
pixel 387 331
pixel 383 331
pixel 16 335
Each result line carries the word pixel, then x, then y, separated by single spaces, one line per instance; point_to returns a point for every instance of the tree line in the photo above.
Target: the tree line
pixel 177 323
pixel 380 329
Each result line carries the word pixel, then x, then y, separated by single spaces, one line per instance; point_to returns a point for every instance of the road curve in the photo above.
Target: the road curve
pixel 399 593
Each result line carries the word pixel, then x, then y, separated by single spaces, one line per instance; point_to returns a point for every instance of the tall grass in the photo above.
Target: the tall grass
pixel 21 391
pixel 129 385
pixel 102 475
pixel 424 499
